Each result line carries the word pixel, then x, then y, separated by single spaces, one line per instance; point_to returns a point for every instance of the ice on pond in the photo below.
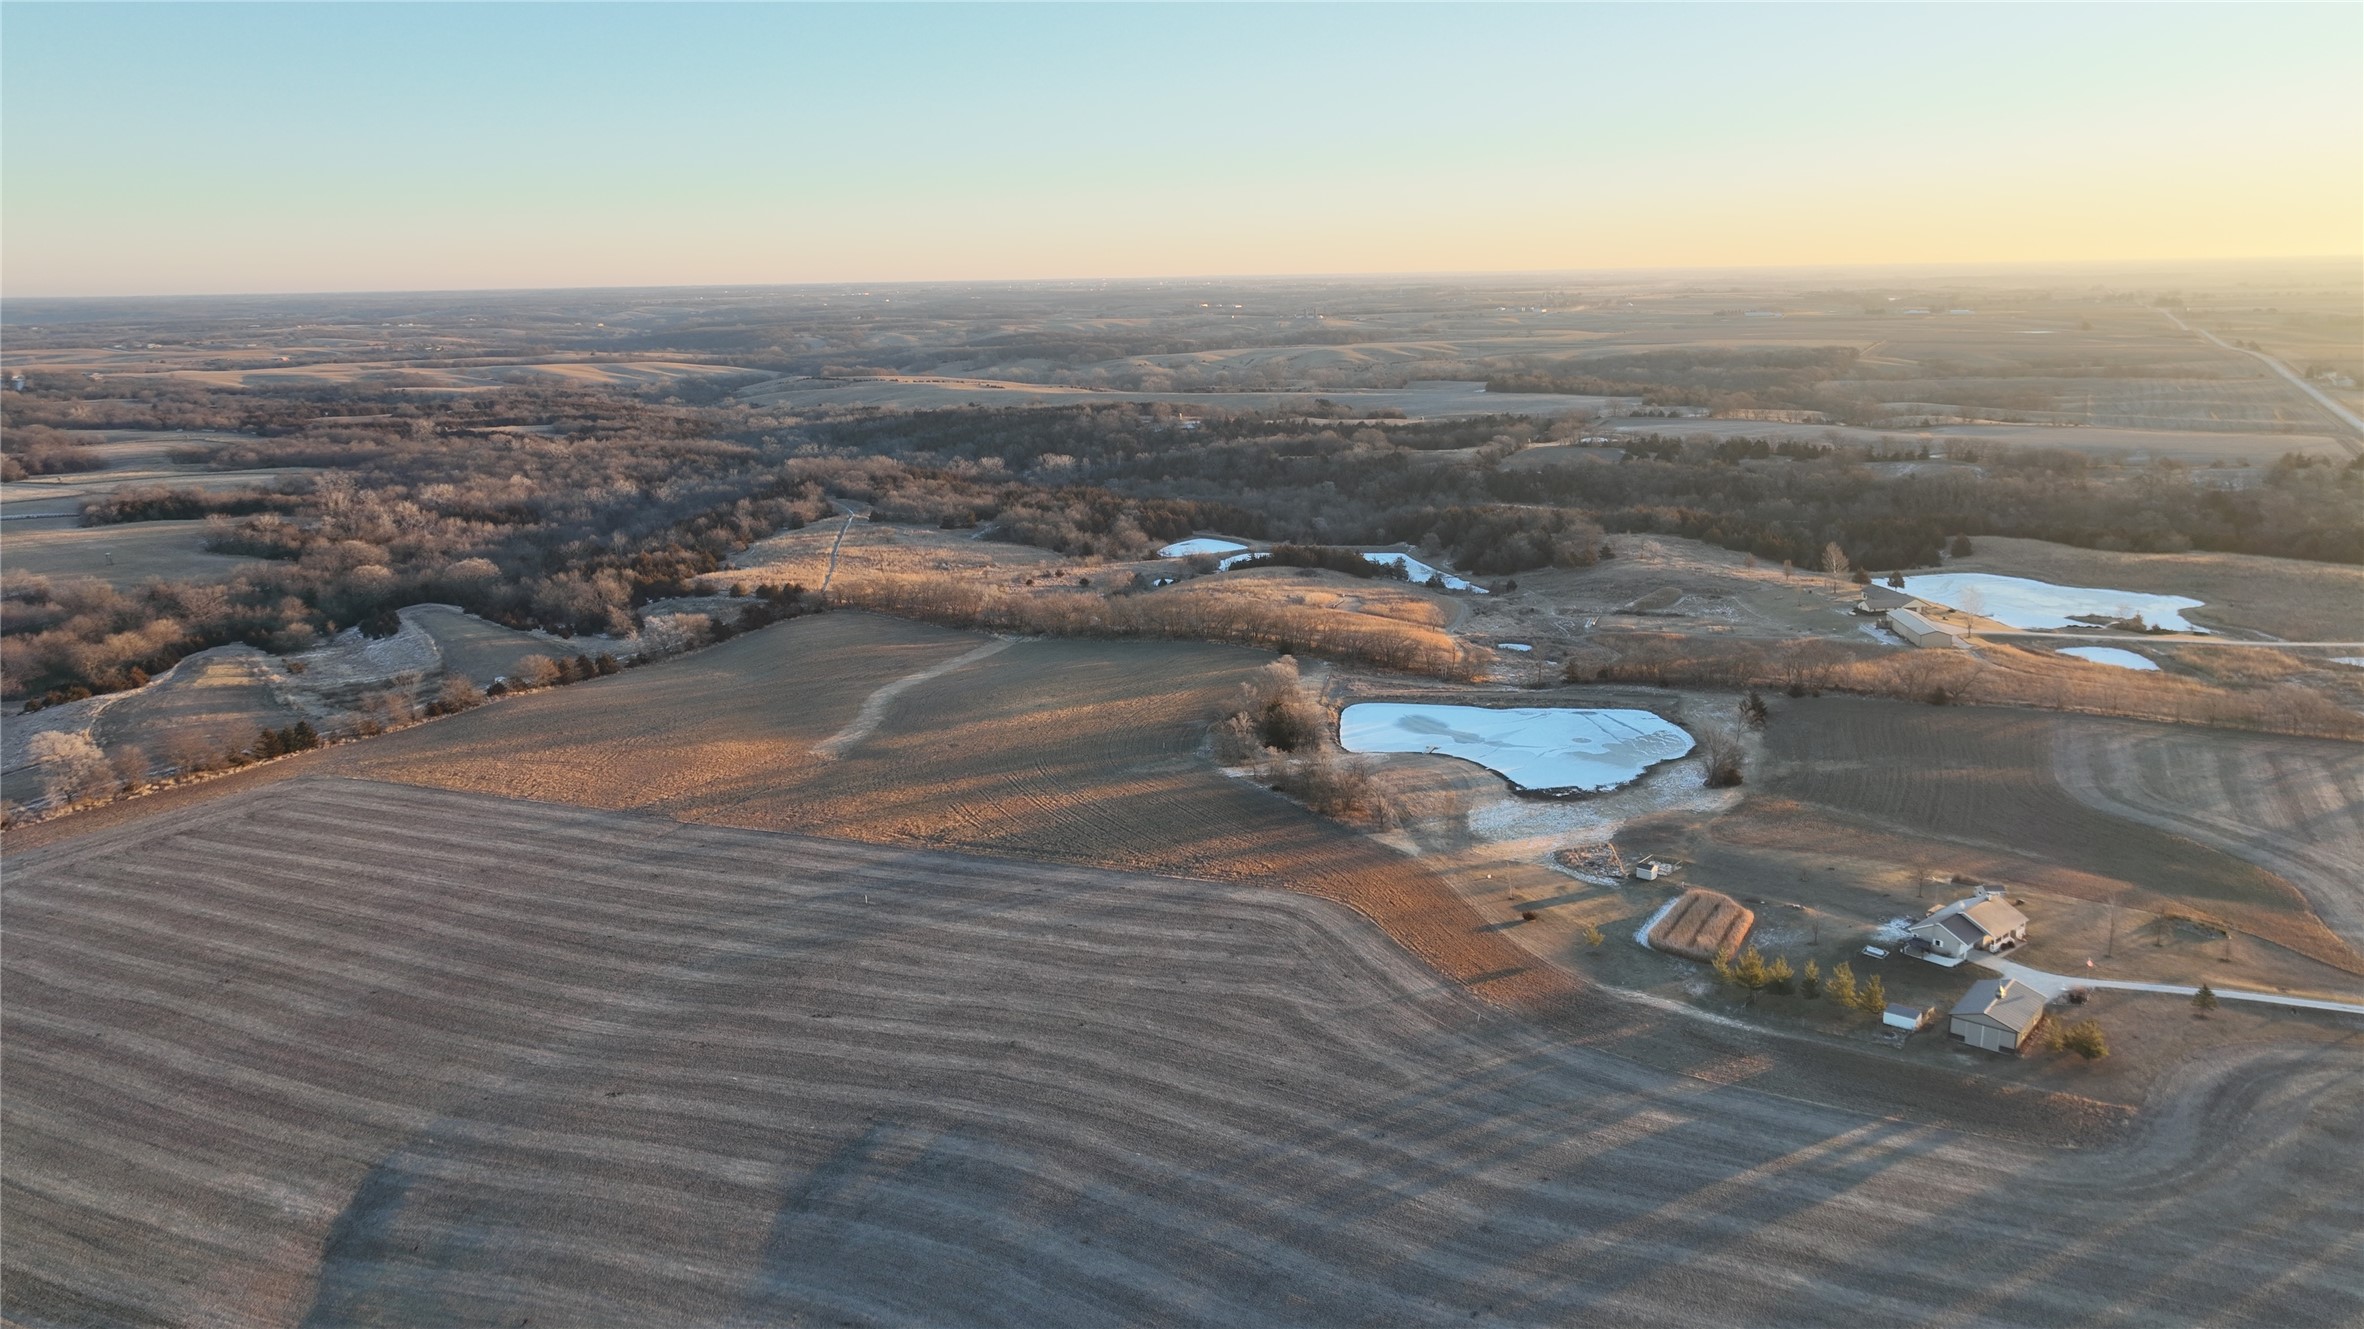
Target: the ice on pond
pixel 1199 545
pixel 1415 570
pixel 2111 655
pixel 2036 606
pixel 1541 749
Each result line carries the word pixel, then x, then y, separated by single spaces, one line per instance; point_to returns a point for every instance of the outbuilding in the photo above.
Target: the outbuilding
pixel 1915 626
pixel 1907 1018
pixel 1997 1014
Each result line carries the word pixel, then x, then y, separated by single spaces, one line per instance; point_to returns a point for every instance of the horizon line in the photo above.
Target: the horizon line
pixel 1991 266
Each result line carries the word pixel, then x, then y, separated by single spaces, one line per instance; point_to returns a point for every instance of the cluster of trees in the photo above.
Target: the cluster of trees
pixel 41 450
pixel 1279 728
pixel 571 509
pixel 1752 971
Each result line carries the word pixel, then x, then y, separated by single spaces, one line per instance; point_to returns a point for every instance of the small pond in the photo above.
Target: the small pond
pixel 2038 606
pixel 1537 749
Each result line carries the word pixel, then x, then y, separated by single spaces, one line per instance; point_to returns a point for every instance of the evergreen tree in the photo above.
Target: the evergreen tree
pixel 1810 982
pixel 1873 996
pixel 269 744
pixel 1778 974
pixel 1841 984
pixel 2204 1000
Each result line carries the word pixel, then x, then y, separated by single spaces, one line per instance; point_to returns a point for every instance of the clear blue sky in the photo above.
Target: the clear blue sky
pixel 269 147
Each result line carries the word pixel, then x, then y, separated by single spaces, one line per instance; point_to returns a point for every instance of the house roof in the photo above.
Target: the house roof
pixel 1913 621
pixel 2006 1002
pixel 1995 915
pixel 1876 596
pixel 1965 928
pixel 1912 1013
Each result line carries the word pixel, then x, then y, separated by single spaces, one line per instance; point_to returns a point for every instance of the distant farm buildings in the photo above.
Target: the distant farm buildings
pixel 1997 1014
pixel 1918 621
pixel 1949 933
pixel 1918 628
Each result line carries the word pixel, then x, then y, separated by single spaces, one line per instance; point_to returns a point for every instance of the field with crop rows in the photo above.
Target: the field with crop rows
pixel 332 1051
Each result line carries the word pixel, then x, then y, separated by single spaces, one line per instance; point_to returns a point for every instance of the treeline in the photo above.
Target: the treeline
pixel 41 450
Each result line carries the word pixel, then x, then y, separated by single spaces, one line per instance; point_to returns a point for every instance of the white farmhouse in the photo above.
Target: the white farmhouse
pixel 1984 922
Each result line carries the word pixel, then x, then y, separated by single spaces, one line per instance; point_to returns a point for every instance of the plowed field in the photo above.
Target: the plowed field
pixel 340 1052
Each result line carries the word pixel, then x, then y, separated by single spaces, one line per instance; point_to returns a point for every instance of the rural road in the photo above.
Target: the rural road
pixel 2341 413
pixel 2053 985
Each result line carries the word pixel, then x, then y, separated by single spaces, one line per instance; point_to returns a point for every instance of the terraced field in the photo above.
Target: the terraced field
pixel 1987 777
pixel 2292 805
pixel 342 1052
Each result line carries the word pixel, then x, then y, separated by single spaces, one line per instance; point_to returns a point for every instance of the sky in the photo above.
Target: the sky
pixel 193 148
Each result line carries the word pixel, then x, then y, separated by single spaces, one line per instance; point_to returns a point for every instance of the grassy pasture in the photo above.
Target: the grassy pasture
pixel 346 1052
pixel 475 649
pixel 142 551
pixel 211 702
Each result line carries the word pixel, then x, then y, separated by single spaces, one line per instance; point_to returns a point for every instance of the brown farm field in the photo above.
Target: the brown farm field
pixel 1082 751
pixel 338 1051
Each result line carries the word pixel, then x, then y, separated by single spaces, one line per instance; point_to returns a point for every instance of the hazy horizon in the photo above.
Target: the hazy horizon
pixel 313 149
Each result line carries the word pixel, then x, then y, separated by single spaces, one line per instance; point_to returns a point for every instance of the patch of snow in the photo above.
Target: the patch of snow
pixel 1892 932
pixel 1531 828
pixel 1512 646
pixel 1641 935
pixel 1880 634
pixel 1535 748
pixel 2111 655
pixel 2037 606
pixel 2356 660
pixel 1200 545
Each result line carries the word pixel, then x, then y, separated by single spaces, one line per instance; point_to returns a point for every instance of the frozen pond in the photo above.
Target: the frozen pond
pixel 2111 655
pixel 2040 605
pixel 1414 570
pixel 1539 749
pixel 1201 545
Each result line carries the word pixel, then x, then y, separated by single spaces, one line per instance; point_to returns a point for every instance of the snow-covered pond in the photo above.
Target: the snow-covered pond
pixel 2040 605
pixel 1414 570
pixel 1199 545
pixel 2111 655
pixel 1539 749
